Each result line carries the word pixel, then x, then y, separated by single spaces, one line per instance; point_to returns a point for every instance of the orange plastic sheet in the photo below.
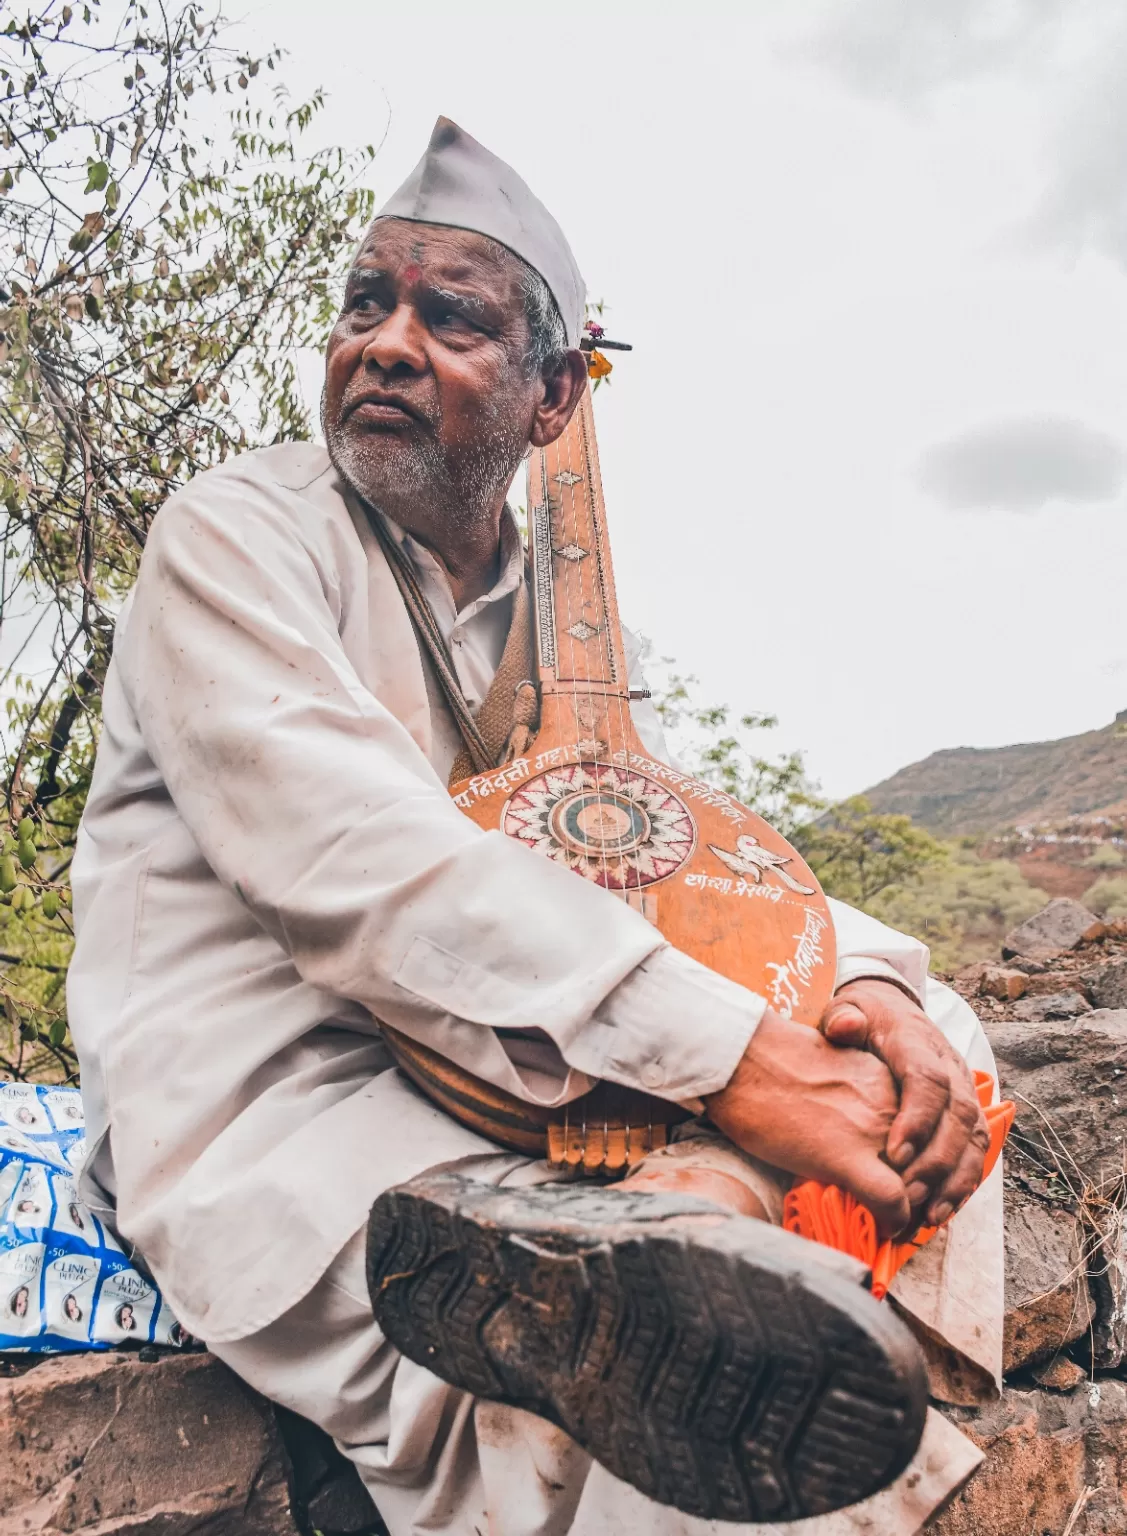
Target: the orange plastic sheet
pixel 825 1214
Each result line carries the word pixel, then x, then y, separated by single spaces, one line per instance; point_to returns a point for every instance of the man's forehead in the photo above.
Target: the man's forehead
pixel 439 249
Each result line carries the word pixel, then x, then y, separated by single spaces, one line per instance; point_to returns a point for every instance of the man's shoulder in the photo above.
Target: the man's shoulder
pixel 281 497
pixel 295 467
pixel 288 484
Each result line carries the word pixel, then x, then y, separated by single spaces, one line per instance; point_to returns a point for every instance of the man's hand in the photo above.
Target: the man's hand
pixel 818 1111
pixel 939 1139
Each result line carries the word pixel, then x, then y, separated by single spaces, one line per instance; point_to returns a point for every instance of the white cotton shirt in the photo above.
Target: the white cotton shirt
pixel 269 863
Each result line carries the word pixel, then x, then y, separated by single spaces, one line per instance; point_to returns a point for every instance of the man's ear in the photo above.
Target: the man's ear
pixel 562 393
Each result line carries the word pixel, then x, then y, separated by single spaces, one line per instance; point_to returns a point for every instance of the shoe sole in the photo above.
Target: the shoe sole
pixel 716 1363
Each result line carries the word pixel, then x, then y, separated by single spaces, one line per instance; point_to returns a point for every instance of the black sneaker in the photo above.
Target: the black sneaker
pixel 715 1362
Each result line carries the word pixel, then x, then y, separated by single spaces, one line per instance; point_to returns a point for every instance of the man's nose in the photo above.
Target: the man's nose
pixel 397 342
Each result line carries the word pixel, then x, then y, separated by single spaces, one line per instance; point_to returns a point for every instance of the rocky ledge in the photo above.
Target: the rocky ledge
pixel 1055 1010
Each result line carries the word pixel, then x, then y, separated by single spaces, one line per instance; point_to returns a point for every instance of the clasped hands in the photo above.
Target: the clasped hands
pixel 876 1101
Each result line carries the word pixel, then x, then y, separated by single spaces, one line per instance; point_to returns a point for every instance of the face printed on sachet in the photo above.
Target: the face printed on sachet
pixel 428 407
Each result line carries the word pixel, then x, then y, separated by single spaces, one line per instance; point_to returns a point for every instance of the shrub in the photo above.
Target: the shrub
pixel 1108 896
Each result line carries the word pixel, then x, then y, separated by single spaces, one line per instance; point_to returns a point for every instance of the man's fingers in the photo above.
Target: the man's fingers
pixel 962 1182
pixel 924 1096
pixel 963 1126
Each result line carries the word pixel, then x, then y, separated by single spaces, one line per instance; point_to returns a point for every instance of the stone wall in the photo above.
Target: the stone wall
pixel 1056 1014
pixel 148 1444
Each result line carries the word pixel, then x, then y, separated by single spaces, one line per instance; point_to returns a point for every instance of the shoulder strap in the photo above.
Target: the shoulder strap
pixel 430 637
pixel 506 721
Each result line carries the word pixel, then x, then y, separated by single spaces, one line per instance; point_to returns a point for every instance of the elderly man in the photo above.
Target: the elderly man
pixel 270 867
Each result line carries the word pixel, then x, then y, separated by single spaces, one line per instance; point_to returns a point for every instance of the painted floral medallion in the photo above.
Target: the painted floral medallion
pixel 614 826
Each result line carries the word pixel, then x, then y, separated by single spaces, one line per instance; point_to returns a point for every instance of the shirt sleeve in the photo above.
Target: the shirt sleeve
pixel 867 948
pixel 314 804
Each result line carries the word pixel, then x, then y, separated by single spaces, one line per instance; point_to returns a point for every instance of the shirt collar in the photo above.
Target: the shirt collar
pixel 509 576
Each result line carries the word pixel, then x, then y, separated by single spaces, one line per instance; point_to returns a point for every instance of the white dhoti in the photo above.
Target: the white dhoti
pixel 437 1460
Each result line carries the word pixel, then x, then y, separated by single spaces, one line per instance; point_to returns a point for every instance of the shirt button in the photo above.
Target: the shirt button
pixel 653 1075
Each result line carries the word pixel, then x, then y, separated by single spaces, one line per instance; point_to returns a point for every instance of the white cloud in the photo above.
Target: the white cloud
pixel 1022 465
pixel 1084 201
pixel 906 51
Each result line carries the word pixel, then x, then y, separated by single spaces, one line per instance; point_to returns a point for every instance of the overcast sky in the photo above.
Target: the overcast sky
pixel 866 465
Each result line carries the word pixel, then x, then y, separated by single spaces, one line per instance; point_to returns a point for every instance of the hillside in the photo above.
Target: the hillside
pixel 976 790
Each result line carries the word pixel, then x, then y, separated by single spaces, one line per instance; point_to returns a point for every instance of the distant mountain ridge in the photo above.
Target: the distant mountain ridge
pixel 967 791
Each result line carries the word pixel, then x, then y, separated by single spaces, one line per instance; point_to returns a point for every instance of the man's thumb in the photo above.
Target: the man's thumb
pixel 844 1024
pixel 883 1191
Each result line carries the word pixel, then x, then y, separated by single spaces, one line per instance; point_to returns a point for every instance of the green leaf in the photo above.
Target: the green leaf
pixel 97 175
pixel 8 875
pixel 57 1033
pixel 27 855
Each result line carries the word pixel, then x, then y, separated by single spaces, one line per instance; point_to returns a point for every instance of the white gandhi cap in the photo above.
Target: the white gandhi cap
pixel 458 183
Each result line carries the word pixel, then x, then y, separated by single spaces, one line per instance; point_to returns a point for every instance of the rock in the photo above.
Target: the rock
pixel 1052 1005
pixel 1069 1082
pixel 1062 925
pixel 1107 986
pixel 1047 1300
pixel 967 977
pixel 1060 1375
pixel 101 1443
pixel 1107 1281
pixel 1001 982
pixel 1027 966
pixel 1043 1451
pixel 328 1493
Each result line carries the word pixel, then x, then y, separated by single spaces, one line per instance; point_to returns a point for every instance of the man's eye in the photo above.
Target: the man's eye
pixel 365 304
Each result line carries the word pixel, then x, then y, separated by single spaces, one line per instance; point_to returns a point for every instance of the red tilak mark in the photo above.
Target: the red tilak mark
pixel 412 274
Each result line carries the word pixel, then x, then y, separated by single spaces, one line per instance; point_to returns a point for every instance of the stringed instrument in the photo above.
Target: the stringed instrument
pixel 714 878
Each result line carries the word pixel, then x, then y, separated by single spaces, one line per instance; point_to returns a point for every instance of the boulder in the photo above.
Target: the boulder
pixel 1107 985
pixel 1047 1299
pixel 1051 1005
pixel 1062 925
pixel 1069 1082
pixel 1044 1451
pixel 103 1442
pixel 1001 982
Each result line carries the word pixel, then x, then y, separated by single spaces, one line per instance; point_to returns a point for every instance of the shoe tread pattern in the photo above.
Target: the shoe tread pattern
pixel 727 1387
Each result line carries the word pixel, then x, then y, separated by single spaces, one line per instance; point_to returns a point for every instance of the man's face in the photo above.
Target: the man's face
pixel 427 406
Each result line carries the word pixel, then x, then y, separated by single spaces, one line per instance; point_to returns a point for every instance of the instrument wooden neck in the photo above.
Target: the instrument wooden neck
pixel 578 634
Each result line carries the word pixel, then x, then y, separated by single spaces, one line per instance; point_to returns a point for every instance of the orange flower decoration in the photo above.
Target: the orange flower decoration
pixel 597 365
